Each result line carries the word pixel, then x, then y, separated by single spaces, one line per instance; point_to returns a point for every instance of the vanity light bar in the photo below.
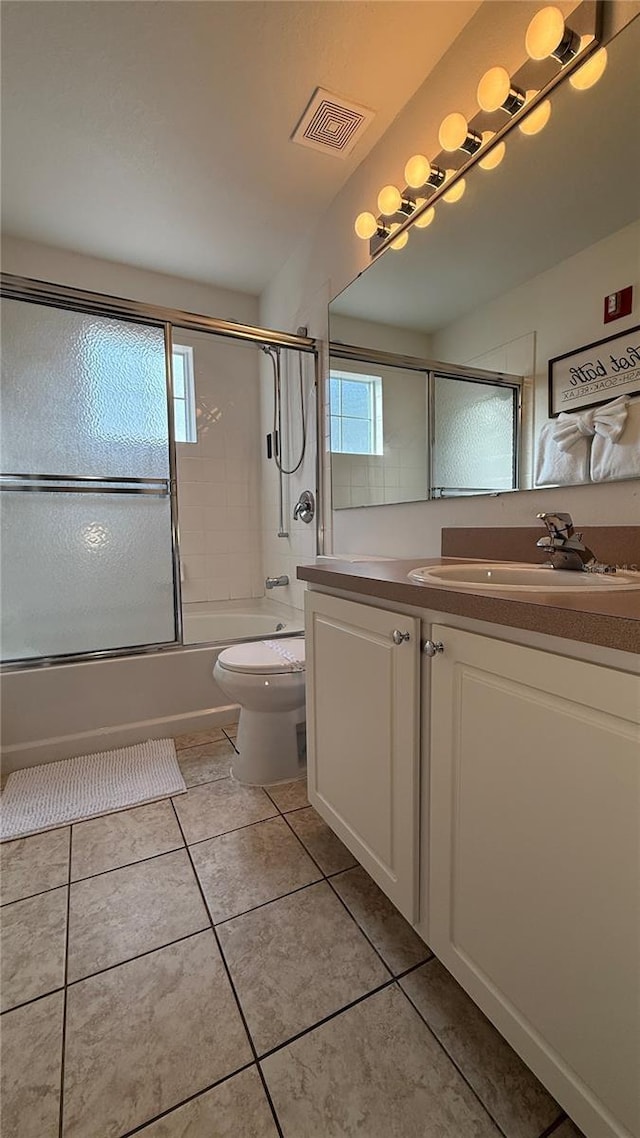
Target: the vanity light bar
pixel 547 38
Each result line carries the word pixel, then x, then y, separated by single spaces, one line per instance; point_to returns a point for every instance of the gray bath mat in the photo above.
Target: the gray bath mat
pixel 54 794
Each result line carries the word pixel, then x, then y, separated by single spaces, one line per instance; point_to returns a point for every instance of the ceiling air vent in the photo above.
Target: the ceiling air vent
pixel 331 124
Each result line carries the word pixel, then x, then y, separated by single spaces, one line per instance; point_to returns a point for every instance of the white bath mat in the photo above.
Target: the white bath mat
pixel 54 794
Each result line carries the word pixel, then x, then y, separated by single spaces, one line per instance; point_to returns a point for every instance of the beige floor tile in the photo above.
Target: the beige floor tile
pixel 248 867
pixel 511 1093
pixel 216 807
pixel 33 937
pixel 321 842
pixel 119 839
pixel 30 865
pixel 289 795
pixel 567 1130
pixel 118 915
pixel 295 961
pixel 206 763
pixel 399 946
pixel 373 1072
pixel 238 1108
pixel 144 1036
pixel 31 1065
pixel 197 738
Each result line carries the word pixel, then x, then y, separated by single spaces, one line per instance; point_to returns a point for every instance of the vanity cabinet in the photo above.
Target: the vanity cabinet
pixel 513 815
pixel 533 862
pixel 363 670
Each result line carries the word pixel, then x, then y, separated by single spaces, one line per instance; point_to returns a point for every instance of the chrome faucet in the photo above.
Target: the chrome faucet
pixel 565 547
pixel 275 582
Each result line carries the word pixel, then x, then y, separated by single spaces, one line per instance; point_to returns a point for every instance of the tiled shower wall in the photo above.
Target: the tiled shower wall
pixel 218 477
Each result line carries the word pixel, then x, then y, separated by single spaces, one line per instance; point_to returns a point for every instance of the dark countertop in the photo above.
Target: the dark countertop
pixel 609 619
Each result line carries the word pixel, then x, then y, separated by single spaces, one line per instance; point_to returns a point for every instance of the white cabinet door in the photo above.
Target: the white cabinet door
pixel 535 862
pixel 362 736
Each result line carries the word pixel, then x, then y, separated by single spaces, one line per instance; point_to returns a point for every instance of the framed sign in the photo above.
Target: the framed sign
pixel 595 374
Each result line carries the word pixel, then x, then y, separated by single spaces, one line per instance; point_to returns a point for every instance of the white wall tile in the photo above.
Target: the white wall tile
pixel 190 518
pixel 195 590
pixel 191 542
pixel 214 519
pixel 238 494
pixel 216 541
pixel 194 567
pixel 241 541
pixel 241 585
pixel 217 566
pixel 218 590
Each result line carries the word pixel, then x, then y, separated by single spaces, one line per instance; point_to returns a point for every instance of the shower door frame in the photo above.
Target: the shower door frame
pixel 51 295
pixel 430 369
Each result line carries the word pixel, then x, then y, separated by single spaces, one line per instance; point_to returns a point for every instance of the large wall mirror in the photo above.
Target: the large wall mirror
pixel 477 359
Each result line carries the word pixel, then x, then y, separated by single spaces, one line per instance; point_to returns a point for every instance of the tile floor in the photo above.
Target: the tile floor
pixel 219 966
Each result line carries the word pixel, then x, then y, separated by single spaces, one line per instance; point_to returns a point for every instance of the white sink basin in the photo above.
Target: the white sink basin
pixel 513 577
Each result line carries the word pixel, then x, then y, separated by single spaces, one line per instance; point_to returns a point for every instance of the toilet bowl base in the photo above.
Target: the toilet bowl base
pixel 269 747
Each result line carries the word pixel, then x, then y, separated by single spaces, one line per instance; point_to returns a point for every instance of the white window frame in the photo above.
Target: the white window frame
pixel 374 383
pixel 189 398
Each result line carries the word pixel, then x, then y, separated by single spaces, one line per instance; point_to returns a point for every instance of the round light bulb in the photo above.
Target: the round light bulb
pixel 389 200
pixel 494 157
pixel 365 226
pixel 456 192
pixel 453 131
pixel 417 171
pixel 493 88
pixel 537 119
pixel 425 218
pixel 544 33
pixel 588 75
pixel 400 241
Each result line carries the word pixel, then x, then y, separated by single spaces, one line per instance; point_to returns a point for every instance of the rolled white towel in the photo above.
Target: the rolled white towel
pixel 608 419
pixel 558 467
pixel 620 459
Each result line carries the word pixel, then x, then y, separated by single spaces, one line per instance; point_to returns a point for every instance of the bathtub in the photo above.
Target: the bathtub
pixel 77 708
pixel 220 623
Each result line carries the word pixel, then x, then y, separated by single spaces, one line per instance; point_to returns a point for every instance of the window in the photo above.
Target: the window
pixel 184 400
pixel 356 413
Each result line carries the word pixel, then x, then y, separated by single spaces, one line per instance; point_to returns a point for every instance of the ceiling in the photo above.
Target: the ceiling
pixel 553 195
pixel 158 133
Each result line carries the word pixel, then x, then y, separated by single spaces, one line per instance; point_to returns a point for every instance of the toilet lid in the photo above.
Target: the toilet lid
pixel 265 656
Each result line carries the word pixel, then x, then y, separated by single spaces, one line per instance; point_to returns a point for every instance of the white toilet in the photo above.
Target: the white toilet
pixel 267 679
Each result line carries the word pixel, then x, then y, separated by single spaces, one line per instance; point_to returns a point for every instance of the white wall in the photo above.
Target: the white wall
pixel 332 256
pixel 46 263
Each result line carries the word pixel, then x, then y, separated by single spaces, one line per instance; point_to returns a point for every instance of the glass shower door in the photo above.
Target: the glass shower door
pixel 474 446
pixel 87 549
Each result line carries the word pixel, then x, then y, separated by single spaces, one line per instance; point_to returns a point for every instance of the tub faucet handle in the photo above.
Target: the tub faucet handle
pixel 305 507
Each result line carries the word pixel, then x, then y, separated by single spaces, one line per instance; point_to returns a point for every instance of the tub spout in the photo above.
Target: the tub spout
pixel 276 582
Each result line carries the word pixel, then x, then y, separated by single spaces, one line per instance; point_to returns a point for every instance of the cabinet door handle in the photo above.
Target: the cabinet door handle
pixel 432 647
pixel 398 637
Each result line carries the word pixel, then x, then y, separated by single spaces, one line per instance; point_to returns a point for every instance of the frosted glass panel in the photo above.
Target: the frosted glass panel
pixel 474 437
pixel 84 572
pixel 82 394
